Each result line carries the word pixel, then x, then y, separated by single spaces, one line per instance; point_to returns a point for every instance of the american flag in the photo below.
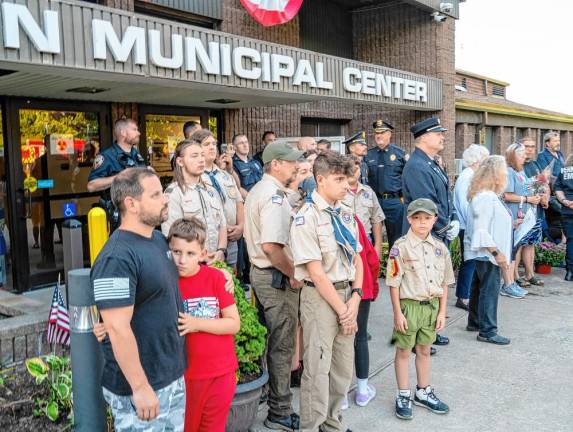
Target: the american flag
pixel 59 321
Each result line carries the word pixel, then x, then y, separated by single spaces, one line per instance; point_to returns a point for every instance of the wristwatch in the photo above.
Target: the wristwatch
pixel 357 291
pixel 224 250
pixel 495 253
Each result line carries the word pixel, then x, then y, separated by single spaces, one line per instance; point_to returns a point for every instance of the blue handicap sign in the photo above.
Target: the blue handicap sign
pixel 69 209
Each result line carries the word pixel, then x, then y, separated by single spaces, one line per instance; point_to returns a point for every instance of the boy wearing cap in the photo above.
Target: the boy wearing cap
pixel 267 227
pixel 418 274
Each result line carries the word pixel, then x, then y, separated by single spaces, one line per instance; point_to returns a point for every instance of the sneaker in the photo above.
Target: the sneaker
pixel 510 291
pixel 404 407
pixel 520 289
pixel 364 399
pixel 344 405
pixel 426 398
pixel 288 423
pixel 496 339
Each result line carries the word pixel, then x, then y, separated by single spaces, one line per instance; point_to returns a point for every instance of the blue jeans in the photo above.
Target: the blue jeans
pixel 483 298
pixel 567 224
pixel 466 273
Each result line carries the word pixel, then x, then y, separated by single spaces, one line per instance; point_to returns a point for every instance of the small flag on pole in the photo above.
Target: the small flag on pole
pixel 59 321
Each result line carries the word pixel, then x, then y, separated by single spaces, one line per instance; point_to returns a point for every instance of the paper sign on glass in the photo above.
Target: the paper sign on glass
pixel 61 144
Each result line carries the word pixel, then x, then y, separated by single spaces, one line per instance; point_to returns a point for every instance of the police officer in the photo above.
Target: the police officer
pixel 357 146
pixel 247 168
pixel 385 165
pixel 108 163
pixel 564 193
pixel 267 225
pixel 324 238
pixel 423 177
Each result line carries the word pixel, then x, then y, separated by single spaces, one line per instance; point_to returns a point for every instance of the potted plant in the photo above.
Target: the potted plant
pixel 251 377
pixel 547 255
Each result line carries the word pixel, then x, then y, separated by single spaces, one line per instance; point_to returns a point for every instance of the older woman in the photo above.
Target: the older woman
pixel 488 241
pixel 472 157
pixel 521 198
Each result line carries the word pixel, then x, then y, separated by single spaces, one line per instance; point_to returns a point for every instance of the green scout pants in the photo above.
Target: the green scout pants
pixel 421 323
pixel 328 363
pixel 281 317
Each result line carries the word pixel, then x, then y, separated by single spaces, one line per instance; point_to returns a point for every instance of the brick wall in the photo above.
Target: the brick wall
pixel 473 85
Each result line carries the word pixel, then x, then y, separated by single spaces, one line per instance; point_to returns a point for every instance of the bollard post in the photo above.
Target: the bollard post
pixel 97 231
pixel 87 360
pixel 72 246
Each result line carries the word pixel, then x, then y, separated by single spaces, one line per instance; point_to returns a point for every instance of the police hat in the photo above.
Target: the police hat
pixel 280 151
pixel 380 126
pixel 429 125
pixel 357 138
pixel 422 205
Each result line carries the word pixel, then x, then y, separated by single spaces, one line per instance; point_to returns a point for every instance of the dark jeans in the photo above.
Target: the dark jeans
pixel 466 273
pixel 567 224
pixel 483 298
pixel 361 354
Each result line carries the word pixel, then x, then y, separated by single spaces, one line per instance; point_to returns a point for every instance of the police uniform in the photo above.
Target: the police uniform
pixel 229 193
pixel 267 220
pixel 110 162
pixel 359 138
pixel 201 201
pixel 564 183
pixel 249 172
pixel 328 354
pixel 385 177
pixel 423 177
pixel 419 269
pixel 365 205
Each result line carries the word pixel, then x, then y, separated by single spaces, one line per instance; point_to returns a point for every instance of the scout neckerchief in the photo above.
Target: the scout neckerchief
pixel 216 184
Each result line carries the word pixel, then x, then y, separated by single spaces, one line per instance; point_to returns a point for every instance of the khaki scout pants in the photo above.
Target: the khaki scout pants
pixel 328 363
pixel 281 316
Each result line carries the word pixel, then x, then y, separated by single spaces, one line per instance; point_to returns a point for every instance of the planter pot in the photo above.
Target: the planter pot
pixel 543 268
pixel 246 404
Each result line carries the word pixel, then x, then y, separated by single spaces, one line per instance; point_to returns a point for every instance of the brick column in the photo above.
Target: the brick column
pixel 463 139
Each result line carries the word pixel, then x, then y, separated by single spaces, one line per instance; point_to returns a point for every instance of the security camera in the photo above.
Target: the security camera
pixel 446 8
pixel 438 17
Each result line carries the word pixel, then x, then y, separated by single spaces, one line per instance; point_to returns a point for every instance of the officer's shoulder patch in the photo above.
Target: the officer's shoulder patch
pixel 394 252
pixel 99 160
pixel 299 220
pixel 277 199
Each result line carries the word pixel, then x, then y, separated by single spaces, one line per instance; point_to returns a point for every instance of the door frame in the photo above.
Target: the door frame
pixel 21 277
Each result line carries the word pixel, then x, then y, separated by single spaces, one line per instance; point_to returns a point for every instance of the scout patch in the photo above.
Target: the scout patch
pixel 211 194
pixel 366 195
pixel 299 220
pixel 277 199
pixel 394 252
pixel 98 161
pixel 392 157
pixel 438 252
pixel 346 217
pixel 394 268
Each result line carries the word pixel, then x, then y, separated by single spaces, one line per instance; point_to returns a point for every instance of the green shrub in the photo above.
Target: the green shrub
pixel 549 253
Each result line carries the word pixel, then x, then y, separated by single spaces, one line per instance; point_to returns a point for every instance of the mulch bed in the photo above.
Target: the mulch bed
pixel 17 397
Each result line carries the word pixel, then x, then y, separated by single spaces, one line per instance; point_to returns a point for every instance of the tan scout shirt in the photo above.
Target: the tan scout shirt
pixel 312 239
pixel 267 219
pixel 230 191
pixel 419 268
pixel 201 201
pixel 365 204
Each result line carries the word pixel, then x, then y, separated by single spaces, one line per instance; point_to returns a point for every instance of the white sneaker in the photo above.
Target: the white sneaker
pixel 364 399
pixel 344 405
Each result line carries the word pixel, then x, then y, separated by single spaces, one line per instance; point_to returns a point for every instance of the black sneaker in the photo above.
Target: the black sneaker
pixel 429 400
pixel 404 408
pixel 289 423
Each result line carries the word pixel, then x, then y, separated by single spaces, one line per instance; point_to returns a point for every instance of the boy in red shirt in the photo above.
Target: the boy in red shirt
pixel 210 320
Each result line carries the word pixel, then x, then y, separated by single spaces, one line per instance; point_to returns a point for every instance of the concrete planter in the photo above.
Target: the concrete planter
pixel 246 404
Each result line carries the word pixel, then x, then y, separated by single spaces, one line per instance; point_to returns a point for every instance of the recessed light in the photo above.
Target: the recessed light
pixel 223 101
pixel 87 90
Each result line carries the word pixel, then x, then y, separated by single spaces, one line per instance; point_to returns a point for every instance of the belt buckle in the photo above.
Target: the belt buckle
pixel 425 302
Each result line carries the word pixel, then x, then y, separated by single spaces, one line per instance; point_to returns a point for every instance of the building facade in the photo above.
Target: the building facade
pixel 69 69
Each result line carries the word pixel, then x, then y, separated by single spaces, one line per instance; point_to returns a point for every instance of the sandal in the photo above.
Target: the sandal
pixel 534 281
pixel 522 282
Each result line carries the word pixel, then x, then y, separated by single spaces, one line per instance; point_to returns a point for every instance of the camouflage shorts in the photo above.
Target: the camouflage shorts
pixel 171 410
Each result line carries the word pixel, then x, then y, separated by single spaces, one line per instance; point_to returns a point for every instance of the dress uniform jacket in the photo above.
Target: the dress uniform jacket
pixel 364 203
pixel 201 201
pixel 424 178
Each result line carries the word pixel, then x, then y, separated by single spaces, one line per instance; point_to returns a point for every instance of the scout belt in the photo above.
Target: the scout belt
pixel 337 285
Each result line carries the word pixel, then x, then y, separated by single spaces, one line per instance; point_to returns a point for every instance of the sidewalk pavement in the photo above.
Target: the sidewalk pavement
pixel 526 386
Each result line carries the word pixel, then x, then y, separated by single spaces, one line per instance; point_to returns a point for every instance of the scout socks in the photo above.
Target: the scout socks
pixel 362 385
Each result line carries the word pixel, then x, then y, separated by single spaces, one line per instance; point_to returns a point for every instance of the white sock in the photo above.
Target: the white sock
pixel 404 392
pixel 362 385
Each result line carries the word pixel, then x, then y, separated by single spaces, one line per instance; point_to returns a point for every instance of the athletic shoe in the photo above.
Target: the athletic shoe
pixel 426 398
pixel 344 405
pixel 510 291
pixel 404 407
pixel 289 423
pixel 520 289
pixel 364 399
pixel 495 339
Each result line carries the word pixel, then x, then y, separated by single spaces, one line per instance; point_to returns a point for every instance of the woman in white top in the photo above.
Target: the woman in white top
pixel 488 241
pixel 472 157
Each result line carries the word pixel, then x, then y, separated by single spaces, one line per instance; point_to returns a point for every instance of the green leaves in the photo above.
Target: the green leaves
pixel 37 368
pixel 52 411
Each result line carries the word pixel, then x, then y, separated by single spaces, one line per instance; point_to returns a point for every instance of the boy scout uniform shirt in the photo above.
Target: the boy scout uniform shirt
pixel 419 268
pixel 312 239
pixel 366 206
pixel 267 219
pixel 230 192
pixel 201 201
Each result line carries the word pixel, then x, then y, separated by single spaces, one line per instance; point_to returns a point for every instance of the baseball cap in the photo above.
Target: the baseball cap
pixel 280 151
pixel 422 205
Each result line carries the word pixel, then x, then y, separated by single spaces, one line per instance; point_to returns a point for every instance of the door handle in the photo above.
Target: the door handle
pixel 23 195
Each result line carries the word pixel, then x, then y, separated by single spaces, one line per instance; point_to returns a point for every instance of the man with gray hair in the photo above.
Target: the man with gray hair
pixel 472 157
pixel 551 153
pixel 306 143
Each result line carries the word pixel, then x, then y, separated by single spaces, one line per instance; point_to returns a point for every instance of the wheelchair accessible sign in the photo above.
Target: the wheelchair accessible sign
pixel 69 209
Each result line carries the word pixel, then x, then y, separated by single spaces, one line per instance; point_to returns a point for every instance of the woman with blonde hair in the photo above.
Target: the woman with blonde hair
pixel 488 241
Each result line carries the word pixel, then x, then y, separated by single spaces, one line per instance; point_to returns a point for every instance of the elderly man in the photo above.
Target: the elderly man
pixel 472 157
pixel 306 143
pixel 551 153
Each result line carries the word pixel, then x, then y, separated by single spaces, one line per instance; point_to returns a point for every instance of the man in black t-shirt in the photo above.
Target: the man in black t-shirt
pixel 135 285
